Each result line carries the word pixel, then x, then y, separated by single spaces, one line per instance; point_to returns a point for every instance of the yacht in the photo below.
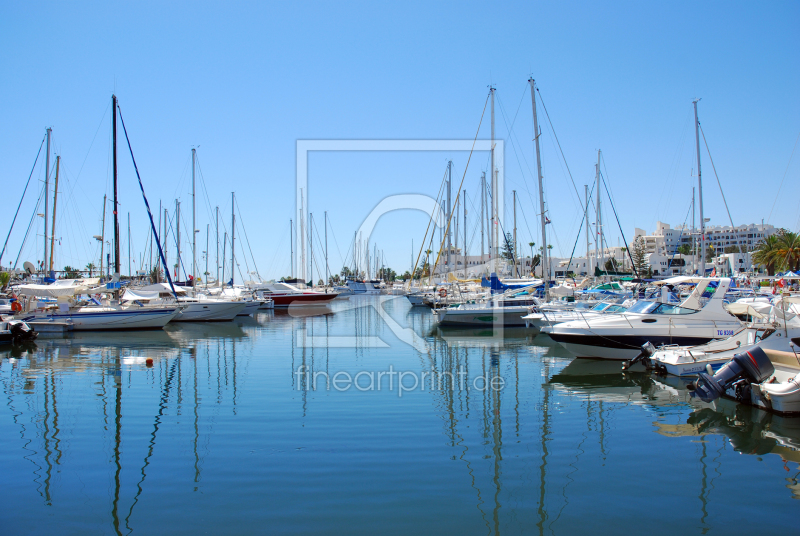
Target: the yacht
pixel 548 318
pixel 285 294
pixel 504 310
pixel 621 336
pixel 199 309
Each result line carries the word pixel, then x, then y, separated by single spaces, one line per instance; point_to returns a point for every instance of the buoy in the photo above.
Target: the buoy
pixel 149 361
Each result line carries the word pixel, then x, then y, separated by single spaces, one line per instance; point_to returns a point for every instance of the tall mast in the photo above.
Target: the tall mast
pixel 194 226
pixel 178 236
pixel 700 195
pixel 103 235
pixel 599 217
pixel 327 275
pixel 545 260
pixel 493 178
pixel 224 257
pixel 311 248
pixel 116 200
pixel 465 234
pixel 301 234
pixel 205 275
pixel 586 223
pixel 217 257
pixel 694 239
pixel 165 243
pixel 161 241
pixel 291 248
pixel 130 272
pixel 233 237
pixel 515 234
pixel 55 199
pixel 483 210
pixel 46 197
pixel 449 212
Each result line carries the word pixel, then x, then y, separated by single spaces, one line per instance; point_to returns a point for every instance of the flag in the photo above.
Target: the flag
pixel 546 220
pixel 714 272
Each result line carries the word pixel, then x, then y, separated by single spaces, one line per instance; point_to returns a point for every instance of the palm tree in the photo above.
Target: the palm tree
pixel 767 254
pixel 91 268
pixel 789 249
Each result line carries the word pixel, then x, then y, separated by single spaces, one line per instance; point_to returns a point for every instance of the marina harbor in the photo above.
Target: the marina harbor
pixel 400 269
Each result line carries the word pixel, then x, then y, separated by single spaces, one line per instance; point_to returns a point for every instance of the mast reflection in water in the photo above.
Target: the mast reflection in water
pixel 221 435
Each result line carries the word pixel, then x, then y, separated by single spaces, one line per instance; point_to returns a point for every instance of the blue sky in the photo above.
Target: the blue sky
pixel 244 81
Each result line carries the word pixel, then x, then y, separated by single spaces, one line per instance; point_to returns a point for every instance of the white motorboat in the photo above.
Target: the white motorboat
pixel 200 309
pixel 760 376
pixel 506 311
pixel 771 328
pixel 548 318
pixel 364 287
pixel 621 336
pixel 106 317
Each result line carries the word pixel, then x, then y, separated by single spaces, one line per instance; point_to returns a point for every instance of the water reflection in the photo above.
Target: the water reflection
pixel 88 372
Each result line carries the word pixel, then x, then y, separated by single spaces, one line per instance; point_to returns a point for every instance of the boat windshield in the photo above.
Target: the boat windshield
pixel 643 307
pixel 600 306
pixel 615 309
pixel 670 309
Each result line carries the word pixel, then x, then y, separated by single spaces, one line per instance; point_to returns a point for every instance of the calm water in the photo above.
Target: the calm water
pixel 223 435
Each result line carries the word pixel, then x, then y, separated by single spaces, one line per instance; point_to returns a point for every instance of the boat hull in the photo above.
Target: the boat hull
pixel 210 311
pixel 505 316
pixel 284 301
pixel 618 347
pixel 110 320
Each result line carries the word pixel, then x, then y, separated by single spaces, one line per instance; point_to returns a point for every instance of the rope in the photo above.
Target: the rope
pixel 586 208
pixel 146 204
pixel 430 220
pixel 717 176
pixel 784 178
pixel 460 186
pixel 627 249
pixel 21 199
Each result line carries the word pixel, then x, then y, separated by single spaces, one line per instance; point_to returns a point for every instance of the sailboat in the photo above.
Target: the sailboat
pixel 94 315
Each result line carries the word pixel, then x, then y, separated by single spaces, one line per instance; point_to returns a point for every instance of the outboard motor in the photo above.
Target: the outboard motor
pixel 647 352
pixel 21 332
pixel 751 366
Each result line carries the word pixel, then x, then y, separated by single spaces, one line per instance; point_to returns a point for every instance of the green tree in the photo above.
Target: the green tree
pixel 639 255
pixel 156 275
pixel 346 272
pixel 789 249
pixel 90 267
pixel 70 272
pixel 685 249
pixel 767 254
pixel 732 249
pixel 5 277
pixel 611 265
pixel 508 248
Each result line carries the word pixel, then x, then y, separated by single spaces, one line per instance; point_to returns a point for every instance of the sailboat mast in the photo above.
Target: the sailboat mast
pixel 327 274
pixel 311 247
pixel 449 212
pixel 46 197
pixel 599 216
pixel 516 271
pixel 545 260
pixel 494 193
pixel 694 237
pixel 700 195
pixel 586 217
pixel 483 211
pixel 217 257
pixel 465 234
pixel 103 235
pixel 114 166
pixel 130 272
pixel 291 248
pixel 208 232
pixel 165 242
pixel 194 225
pixel 178 235
pixel 55 200
pixel 233 237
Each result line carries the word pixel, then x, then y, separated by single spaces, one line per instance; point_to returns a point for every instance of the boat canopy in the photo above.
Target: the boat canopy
pixel 61 287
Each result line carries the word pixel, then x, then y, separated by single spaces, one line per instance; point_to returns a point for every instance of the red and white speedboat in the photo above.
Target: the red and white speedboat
pixel 286 294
